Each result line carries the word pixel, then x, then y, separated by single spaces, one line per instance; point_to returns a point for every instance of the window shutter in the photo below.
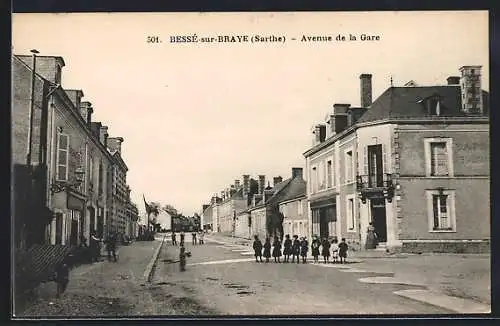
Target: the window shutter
pixel 365 160
pixel 384 159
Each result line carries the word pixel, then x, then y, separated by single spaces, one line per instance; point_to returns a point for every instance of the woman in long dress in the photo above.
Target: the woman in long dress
pixel 371 237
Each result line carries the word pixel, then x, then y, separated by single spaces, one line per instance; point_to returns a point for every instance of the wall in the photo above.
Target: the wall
pixel 470 183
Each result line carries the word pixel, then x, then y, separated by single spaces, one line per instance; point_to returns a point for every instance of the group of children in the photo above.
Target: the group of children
pixel 296 248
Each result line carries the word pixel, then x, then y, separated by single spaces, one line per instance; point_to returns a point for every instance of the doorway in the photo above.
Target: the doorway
pixel 379 218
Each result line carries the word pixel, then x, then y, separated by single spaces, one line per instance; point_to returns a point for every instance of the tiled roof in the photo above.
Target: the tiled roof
pixel 400 102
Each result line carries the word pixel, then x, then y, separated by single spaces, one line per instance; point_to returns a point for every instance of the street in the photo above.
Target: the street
pixel 222 278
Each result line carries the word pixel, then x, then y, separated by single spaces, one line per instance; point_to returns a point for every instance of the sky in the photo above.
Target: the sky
pixel 197 116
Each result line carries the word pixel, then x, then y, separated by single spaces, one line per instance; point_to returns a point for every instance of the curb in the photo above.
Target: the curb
pixel 148 273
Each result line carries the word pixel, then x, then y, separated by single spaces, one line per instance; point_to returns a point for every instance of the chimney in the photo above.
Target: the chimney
pixel 75 95
pixel 277 180
pixel 46 66
pixel 246 184
pixel 115 144
pixel 297 172
pixel 262 183
pixel 366 90
pixel 103 132
pixel 453 80
pixel 86 111
pixel 472 97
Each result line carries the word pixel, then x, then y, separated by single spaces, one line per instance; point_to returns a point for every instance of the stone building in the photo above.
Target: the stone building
pixel 414 163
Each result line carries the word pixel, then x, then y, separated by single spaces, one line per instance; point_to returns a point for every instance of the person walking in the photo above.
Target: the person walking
pixel 174 239
pixel 193 237
pixel 61 276
pixel 304 247
pixel 325 250
pixel 315 249
pixel 182 238
pixel 267 249
pixel 335 250
pixel 295 248
pixel 343 251
pixel 111 246
pixel 287 248
pixel 277 250
pixel 257 248
pixel 201 237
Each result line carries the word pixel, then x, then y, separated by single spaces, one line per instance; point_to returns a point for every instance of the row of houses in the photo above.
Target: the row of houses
pixel 69 177
pixel 414 164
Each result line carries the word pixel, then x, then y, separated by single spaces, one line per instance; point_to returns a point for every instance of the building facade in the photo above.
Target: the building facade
pixel 405 164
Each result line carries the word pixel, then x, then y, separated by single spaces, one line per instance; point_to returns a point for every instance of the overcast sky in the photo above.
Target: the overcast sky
pixel 195 117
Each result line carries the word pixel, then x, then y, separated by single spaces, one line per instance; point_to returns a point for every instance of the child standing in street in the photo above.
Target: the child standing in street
pixel 343 251
pixel 257 248
pixel 304 247
pixel 315 249
pixel 267 249
pixel 325 250
pixel 335 251
pixel 295 249
pixel 62 277
pixel 277 250
pixel 287 248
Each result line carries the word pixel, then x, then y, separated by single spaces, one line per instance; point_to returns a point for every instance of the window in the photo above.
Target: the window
pixel 348 166
pixel 351 217
pixel 329 174
pixel 441 207
pixel 314 179
pixel 62 157
pixel 439 157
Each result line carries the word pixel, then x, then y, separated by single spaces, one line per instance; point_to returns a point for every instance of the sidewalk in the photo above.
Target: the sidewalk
pixel 100 289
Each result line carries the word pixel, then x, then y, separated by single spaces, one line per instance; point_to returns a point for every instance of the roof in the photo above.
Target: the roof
pixel 404 102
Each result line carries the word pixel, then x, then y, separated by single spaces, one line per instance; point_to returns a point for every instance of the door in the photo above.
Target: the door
pixel 323 223
pixel 375 168
pixel 379 218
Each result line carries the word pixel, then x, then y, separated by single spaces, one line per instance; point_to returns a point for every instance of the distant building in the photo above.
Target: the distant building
pixel 414 163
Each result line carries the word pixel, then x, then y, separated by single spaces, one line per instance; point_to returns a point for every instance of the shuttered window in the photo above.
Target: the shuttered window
pixel 439 159
pixel 62 157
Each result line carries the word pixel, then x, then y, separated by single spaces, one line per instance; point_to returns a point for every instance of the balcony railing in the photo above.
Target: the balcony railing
pixel 371 186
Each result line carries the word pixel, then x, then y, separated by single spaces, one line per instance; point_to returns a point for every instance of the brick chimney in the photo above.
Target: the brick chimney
pixel 86 111
pixel 297 172
pixel 366 90
pixel 453 80
pixel 246 184
pixel 48 67
pixel 103 135
pixel 262 183
pixel 277 180
pixel 472 97
pixel 115 144
pixel 75 95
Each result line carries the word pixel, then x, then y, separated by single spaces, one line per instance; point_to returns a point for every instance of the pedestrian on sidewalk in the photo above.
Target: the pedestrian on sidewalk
pixel 277 250
pixel 304 247
pixel 267 249
pixel 257 248
pixel 325 250
pixel 295 248
pixel 182 238
pixel 193 237
pixel 202 235
pixel 61 276
pixel 174 239
pixel 111 246
pixel 287 248
pixel 335 250
pixel 315 249
pixel 343 251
